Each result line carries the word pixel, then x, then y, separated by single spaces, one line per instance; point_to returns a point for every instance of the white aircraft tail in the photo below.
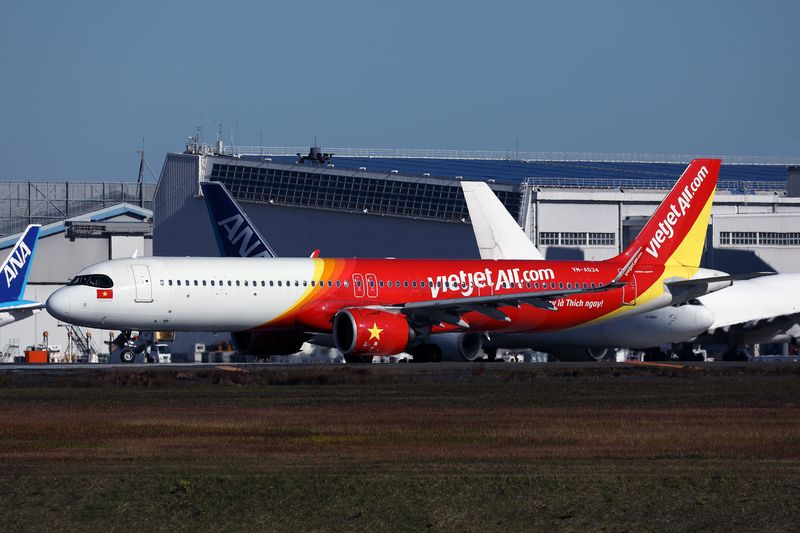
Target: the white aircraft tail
pixel 497 233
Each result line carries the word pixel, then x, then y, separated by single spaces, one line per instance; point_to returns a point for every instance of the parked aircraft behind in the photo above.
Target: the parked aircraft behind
pixel 751 311
pixel 757 311
pixel 16 268
pixel 235 234
pixel 386 306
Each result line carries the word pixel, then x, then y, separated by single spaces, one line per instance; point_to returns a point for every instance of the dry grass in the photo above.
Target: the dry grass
pixel 490 451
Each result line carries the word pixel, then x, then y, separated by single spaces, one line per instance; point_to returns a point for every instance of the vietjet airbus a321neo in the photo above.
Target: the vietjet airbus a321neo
pixel 386 306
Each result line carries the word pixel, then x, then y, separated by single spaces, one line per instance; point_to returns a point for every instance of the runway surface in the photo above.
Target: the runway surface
pixel 75 374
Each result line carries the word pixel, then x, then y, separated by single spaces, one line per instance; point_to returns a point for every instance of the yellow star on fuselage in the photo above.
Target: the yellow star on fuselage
pixel 375 332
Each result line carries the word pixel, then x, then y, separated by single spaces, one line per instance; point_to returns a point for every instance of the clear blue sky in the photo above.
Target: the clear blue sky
pixel 83 82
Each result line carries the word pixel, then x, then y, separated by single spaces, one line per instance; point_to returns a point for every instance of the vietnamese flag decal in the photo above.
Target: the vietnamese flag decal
pixel 104 294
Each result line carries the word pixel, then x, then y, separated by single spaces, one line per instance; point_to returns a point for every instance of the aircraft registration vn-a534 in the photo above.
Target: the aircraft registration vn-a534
pixel 386 306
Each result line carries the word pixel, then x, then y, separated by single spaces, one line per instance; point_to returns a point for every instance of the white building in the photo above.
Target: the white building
pixel 64 248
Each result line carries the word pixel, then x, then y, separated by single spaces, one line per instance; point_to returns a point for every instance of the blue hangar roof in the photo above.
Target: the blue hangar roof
pixel 516 171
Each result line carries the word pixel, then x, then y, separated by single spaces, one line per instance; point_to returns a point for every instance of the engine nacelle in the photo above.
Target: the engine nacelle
pixel 360 331
pixel 449 347
pixel 264 343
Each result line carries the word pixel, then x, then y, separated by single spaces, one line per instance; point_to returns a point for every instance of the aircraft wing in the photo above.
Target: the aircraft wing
pixel 449 310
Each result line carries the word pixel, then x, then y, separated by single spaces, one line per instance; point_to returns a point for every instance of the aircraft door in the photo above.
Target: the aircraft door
pixel 630 292
pixel 372 286
pixel 358 285
pixel 144 288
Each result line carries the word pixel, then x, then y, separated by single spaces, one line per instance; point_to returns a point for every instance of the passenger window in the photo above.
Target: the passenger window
pixel 195 283
pixel 237 283
pixel 405 284
pixel 414 284
pixel 380 283
pixel 178 282
pixel 338 283
pixel 169 282
pixel 296 283
pixel 271 283
pixel 330 283
pixel 263 283
pixel 313 283
pixel 230 283
pixel 422 284
pixel 212 282
pixel 569 285
pixel 204 283
pixel 305 283
pixel 162 282
pixel 560 285
pixel 346 284
pixel 279 284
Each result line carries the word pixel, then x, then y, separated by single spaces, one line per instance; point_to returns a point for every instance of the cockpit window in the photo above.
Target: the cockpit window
pixel 93 280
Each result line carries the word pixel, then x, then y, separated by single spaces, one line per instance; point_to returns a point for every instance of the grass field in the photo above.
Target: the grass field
pixel 368 449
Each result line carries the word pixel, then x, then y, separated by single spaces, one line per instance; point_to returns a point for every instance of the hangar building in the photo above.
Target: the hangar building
pixel 382 203
pixel 82 223
pixel 390 203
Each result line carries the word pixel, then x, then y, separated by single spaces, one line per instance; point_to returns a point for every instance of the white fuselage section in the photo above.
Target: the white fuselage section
pixel 187 294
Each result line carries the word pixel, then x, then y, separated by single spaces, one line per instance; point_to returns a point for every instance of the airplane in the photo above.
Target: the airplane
pixel 498 236
pixel 16 269
pixel 758 311
pixel 750 311
pixel 387 306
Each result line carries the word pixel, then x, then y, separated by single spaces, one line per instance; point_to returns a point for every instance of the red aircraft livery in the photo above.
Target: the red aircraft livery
pixel 369 307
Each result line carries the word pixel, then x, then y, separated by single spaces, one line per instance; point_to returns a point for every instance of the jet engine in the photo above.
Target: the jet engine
pixel 449 347
pixel 366 332
pixel 267 343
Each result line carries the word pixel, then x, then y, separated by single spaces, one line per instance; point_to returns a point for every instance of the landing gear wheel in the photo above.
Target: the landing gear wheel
pixel 491 354
pixel 127 356
pixel 597 354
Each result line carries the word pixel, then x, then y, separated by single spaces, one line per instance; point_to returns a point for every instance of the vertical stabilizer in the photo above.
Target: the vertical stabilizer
pixel 236 235
pixel 497 233
pixel 16 266
pixel 676 233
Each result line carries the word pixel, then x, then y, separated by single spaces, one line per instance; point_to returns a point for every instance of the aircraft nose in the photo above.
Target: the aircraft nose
pixel 58 304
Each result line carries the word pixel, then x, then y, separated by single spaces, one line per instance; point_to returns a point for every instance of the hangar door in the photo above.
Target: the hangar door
pixel 141 277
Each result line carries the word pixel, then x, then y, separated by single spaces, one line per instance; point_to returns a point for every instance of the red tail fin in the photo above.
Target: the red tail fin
pixel 677 230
